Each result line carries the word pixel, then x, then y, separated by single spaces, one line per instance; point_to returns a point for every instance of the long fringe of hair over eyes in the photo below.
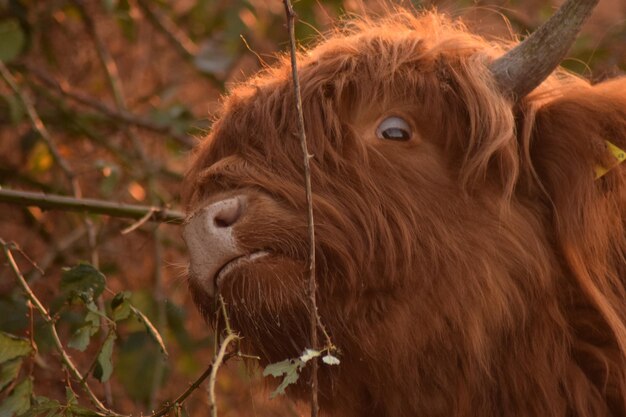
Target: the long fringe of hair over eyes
pixel 539 154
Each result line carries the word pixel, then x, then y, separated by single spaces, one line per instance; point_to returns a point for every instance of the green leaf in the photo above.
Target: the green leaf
pixel 136 356
pixel 42 405
pixel 104 365
pixel 152 331
pixel 83 281
pixel 177 116
pixel 19 400
pixel 176 325
pixel 13 312
pixel 109 5
pixel 79 411
pixel 80 339
pixel 13 347
pixel 82 336
pixel 70 396
pixel 12 39
pixel 13 108
pixel 126 20
pixel 289 368
pixel 9 372
pixel 93 308
pixel 120 306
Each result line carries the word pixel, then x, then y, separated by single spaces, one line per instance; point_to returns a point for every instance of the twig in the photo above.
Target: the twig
pixel 115 82
pixel 138 223
pixel 111 72
pixel 211 372
pixel 65 167
pixel 39 127
pixel 55 336
pixel 122 116
pixel 216 365
pixel 182 397
pixel 185 46
pixel 315 321
pixel 58 247
pixel 179 39
pixel 159 297
pixel 109 66
pixel 229 330
pixel 88 205
pixel 30 260
pixel 31 336
pixel 74 117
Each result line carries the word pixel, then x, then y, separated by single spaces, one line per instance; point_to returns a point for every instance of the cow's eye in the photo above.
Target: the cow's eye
pixel 394 128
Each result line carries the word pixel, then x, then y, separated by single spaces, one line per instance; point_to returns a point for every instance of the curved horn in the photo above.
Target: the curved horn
pixel 524 67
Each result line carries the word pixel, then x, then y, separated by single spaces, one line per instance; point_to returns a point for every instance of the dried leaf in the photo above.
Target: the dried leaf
pixel 331 360
pixel 309 354
pixel 152 331
pixel 39 159
pixel 289 368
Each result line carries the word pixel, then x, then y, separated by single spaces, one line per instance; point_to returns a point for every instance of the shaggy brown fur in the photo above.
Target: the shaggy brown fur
pixel 477 270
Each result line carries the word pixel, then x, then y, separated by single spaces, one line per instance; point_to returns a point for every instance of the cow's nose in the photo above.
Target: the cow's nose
pixel 225 213
pixel 210 239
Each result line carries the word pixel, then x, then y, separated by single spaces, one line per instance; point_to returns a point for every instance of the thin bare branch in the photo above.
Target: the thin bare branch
pixel 217 362
pixel 211 372
pixel 108 64
pixel 160 299
pixel 121 116
pixel 185 46
pixel 115 82
pixel 88 205
pixel 138 223
pixel 315 321
pixel 40 127
pixel 31 337
pixel 69 174
pixel 67 361
pixel 182 397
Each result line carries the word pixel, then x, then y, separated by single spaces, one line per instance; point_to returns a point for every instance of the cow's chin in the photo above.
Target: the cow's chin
pixel 265 303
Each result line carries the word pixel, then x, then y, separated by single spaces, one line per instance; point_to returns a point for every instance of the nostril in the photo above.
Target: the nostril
pixel 228 213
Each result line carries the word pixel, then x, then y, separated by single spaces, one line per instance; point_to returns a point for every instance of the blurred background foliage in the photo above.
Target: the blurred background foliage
pixel 124 88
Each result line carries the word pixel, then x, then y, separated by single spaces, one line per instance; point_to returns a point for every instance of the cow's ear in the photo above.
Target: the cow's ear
pixel 575 141
pixel 568 150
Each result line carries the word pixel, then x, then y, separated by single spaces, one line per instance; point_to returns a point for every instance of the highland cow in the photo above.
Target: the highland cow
pixel 471 256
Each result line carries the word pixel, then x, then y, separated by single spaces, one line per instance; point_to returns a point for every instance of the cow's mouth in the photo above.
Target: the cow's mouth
pixel 235 263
